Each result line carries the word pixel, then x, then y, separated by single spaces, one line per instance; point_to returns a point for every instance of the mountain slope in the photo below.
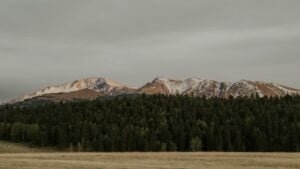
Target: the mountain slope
pixel 84 94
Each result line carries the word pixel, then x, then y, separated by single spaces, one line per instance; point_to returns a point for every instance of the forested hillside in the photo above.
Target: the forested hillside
pixel 158 123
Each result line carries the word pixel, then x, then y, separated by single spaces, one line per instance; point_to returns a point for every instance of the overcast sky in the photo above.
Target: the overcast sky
pixel 45 42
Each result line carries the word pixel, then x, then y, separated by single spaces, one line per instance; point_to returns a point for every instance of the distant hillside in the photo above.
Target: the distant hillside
pixel 84 94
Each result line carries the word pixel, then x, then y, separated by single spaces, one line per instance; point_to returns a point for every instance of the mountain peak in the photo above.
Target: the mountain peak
pixel 161 78
pixel 92 80
pixel 104 85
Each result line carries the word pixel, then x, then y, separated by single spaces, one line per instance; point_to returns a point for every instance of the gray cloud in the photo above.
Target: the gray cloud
pixel 47 42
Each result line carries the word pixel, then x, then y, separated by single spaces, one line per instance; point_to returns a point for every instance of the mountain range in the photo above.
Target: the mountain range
pixel 90 88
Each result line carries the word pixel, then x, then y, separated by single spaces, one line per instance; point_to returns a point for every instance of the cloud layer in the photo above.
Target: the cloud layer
pixel 47 42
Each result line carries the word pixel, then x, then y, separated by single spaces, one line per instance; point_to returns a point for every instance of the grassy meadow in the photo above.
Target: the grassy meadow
pixel 21 156
pixel 205 160
pixel 8 147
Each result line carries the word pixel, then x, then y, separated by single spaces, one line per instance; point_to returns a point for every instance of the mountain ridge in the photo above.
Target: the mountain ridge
pixel 167 86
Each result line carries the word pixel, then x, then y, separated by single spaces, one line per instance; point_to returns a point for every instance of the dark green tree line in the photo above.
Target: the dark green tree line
pixel 158 123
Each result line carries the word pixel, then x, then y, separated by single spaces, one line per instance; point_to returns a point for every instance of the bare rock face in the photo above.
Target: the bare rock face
pixel 190 87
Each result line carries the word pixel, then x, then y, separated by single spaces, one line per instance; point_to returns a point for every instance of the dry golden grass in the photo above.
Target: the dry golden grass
pixel 8 147
pixel 150 161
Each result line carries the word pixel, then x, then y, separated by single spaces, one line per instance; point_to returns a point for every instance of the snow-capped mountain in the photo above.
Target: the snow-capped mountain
pixel 103 85
pixel 211 88
pixel 190 86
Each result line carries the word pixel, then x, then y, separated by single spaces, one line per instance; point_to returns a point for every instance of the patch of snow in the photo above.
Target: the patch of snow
pixel 285 90
pixel 244 88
